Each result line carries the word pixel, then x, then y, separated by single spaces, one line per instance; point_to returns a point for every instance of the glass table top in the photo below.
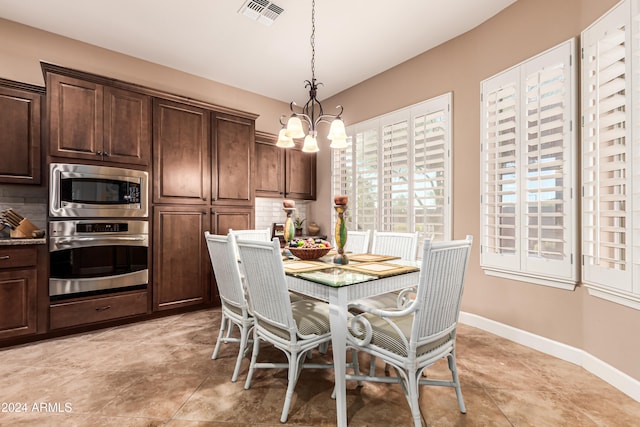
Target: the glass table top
pixel 323 271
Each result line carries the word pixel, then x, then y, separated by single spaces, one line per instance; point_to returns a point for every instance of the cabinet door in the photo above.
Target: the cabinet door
pixel 224 218
pixel 20 130
pixel 181 166
pixel 18 302
pixel 269 178
pixel 300 177
pixel 233 149
pixel 180 275
pixel 75 117
pixel 127 126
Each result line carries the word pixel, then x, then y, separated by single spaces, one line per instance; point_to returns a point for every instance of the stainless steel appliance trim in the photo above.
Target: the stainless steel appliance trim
pixel 63 235
pixel 68 228
pixel 60 209
pixel 74 286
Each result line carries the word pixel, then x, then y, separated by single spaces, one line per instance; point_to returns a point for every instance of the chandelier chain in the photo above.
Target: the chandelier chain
pixel 313 41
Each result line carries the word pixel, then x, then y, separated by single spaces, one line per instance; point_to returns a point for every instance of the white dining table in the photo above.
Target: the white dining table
pixel 339 295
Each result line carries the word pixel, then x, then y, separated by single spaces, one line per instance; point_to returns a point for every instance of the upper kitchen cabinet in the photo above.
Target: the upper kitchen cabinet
pixel 232 148
pixel 181 161
pixel 20 107
pixel 92 120
pixel 283 172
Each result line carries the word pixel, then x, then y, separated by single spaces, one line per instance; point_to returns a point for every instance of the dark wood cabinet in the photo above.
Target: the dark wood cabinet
pixel 91 121
pixel 181 161
pixel 18 291
pixel 232 147
pixel 180 272
pixel 20 132
pixel 269 166
pixel 283 172
pixel 300 174
pixel 202 174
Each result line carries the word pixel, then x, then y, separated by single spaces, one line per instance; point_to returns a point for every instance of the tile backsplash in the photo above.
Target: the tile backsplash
pixel 30 201
pixel 269 211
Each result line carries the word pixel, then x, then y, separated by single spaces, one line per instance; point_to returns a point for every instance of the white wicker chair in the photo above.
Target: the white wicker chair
pixel 357 241
pixel 234 305
pixel 403 245
pixel 261 235
pixel 415 337
pixel 293 327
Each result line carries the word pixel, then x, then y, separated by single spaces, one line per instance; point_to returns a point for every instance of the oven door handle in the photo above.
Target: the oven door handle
pixel 74 240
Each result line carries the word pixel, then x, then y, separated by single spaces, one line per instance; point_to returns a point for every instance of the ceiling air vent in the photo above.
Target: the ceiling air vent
pixel 262 11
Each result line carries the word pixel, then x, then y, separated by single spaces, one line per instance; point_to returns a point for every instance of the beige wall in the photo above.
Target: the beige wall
pixel 521 31
pixel 607 331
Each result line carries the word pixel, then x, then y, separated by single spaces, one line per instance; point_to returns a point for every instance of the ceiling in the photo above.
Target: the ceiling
pixel 355 39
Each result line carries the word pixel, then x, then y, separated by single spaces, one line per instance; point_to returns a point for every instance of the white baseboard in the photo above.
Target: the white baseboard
pixel 623 382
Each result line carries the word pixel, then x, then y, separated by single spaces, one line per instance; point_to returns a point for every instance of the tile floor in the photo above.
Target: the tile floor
pixel 160 373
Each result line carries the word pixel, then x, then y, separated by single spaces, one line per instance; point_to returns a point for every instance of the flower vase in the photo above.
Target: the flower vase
pixel 340 235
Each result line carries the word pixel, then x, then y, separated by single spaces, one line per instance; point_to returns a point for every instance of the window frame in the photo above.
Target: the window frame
pixel 516 260
pixel 348 169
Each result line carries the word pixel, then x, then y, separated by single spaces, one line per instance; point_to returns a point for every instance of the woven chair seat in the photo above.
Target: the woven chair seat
pixel 311 317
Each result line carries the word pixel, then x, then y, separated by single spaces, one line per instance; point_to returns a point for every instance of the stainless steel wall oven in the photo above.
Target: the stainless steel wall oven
pixel 92 257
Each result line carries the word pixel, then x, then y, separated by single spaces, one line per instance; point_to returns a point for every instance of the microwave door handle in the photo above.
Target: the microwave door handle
pixel 73 240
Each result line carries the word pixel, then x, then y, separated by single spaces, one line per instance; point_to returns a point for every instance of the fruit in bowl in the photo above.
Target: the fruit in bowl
pixel 310 248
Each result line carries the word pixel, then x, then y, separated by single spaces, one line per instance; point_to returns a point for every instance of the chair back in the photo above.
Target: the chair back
pixel 444 266
pixel 261 235
pixel 403 245
pixel 266 283
pixel 226 270
pixel 357 242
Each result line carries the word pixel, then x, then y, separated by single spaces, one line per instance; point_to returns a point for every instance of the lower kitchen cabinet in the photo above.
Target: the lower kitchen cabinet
pixel 180 272
pixel 18 291
pixel 83 312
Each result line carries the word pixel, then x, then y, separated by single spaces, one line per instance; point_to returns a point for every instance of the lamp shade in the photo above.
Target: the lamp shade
pixel 337 131
pixel 338 143
pixel 310 144
pixel 294 127
pixel 283 140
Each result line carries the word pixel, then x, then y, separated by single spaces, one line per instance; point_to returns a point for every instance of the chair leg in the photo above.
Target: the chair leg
pixel 244 337
pixel 254 357
pixel 372 367
pixel 223 325
pixel 451 359
pixel 292 379
pixel 412 397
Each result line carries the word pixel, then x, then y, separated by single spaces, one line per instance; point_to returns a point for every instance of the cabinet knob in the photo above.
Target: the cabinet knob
pixel 99 153
pixel 103 308
pixel 204 199
pixel 3 257
pixel 107 154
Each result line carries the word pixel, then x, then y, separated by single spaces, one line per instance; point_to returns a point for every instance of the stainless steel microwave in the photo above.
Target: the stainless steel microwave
pixel 90 191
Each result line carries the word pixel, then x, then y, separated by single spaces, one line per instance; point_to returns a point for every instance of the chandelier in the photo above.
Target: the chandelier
pixel 312 113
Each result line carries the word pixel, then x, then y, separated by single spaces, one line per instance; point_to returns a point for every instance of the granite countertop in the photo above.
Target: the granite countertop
pixel 6 241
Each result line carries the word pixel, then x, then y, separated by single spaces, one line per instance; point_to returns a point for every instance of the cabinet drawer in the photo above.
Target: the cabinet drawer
pixel 76 313
pixel 17 256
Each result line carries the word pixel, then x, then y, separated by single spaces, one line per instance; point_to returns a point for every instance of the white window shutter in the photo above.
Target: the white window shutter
pixel 395 175
pixel 432 169
pixel 547 158
pixel 500 134
pixel 364 208
pixel 606 152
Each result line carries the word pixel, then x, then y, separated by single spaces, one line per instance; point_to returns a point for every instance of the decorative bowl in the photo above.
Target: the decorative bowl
pixel 309 253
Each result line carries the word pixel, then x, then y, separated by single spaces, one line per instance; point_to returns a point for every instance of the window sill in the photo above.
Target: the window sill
pixel 614 295
pixel 566 285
